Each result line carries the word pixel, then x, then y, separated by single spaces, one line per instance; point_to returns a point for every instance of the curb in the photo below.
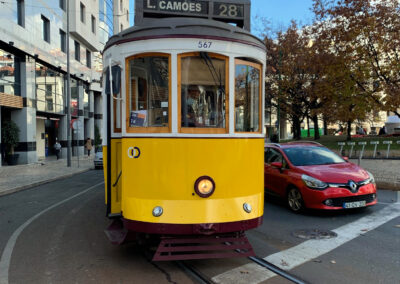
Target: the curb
pixel 27 186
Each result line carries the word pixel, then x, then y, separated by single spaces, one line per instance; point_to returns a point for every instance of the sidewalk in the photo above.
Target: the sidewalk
pixel 16 178
pixel 386 172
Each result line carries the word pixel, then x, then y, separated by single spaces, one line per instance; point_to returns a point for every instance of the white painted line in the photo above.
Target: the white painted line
pixel 7 253
pixel 308 250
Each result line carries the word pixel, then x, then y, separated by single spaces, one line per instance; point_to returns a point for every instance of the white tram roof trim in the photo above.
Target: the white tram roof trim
pixel 186 27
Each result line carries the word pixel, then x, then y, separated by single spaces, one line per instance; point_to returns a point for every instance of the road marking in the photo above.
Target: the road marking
pixel 308 250
pixel 7 253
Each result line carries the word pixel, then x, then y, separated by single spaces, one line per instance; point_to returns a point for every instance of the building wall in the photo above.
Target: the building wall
pixel 121 15
pixel 37 43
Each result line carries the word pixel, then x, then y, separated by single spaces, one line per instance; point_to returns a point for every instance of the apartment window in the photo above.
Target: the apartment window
pixel 46 29
pixel 120 5
pixel 21 13
pixel 63 41
pixel 93 24
pixel 77 51
pixel 122 27
pixel 88 59
pixel 62 4
pixel 127 15
pixel 83 13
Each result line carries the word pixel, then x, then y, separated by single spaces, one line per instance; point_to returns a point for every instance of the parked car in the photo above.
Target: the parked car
pixel 98 158
pixel 309 175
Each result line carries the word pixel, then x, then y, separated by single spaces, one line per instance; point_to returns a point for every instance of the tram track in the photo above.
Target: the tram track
pixel 275 269
pixel 193 273
pixel 197 276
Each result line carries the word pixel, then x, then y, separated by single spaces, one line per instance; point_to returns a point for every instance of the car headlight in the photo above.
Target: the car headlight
pixel 313 182
pixel 371 178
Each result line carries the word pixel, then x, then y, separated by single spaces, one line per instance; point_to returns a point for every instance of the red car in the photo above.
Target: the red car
pixel 308 175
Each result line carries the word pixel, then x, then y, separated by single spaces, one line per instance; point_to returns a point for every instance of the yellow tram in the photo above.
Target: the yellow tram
pixel 183 136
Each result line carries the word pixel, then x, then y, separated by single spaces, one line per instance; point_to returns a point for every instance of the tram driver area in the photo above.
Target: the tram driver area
pixel 203 92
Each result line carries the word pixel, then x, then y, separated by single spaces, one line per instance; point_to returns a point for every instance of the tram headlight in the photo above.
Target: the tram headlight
pixel 204 186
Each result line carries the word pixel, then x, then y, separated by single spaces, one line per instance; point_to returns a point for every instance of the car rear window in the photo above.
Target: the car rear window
pixel 308 156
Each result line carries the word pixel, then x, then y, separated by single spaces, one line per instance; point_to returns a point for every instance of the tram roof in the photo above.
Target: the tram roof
pixel 180 27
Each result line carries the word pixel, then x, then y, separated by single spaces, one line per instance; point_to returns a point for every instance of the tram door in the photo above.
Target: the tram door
pixel 116 181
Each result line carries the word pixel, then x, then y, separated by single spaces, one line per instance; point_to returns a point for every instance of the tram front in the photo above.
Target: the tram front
pixel 186 141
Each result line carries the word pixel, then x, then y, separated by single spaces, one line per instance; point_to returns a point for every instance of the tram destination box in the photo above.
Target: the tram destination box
pixel 229 11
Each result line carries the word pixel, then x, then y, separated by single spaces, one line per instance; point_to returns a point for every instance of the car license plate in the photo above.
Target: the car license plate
pixel 355 204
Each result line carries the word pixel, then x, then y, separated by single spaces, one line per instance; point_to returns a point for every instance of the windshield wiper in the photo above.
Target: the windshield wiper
pixel 217 77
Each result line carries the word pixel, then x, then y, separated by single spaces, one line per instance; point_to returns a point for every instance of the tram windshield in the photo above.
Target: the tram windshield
pixel 148 92
pixel 247 97
pixel 203 96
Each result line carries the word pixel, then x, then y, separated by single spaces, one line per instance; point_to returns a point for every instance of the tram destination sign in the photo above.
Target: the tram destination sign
pixel 229 11
pixel 176 6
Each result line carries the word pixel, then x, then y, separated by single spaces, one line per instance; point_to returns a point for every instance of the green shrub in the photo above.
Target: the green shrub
pixel 9 135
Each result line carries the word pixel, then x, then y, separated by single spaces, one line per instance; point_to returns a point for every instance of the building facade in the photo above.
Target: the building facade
pixel 33 66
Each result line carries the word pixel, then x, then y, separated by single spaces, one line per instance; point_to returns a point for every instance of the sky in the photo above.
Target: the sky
pixel 278 12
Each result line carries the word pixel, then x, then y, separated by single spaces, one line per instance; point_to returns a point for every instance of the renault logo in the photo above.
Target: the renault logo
pixel 133 152
pixel 352 185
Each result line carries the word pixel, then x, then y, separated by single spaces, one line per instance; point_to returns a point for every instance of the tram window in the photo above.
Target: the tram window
pixel 148 92
pixel 203 94
pixel 116 90
pixel 247 97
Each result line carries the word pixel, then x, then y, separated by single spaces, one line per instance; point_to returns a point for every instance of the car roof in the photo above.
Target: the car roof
pixel 294 144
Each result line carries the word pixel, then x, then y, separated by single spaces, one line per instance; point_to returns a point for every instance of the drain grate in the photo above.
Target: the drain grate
pixel 314 234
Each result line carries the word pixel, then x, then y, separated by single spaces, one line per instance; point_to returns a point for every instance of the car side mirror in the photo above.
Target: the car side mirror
pixel 346 159
pixel 277 165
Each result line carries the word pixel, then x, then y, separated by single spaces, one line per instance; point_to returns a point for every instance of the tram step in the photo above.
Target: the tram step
pixel 203 247
pixel 116 232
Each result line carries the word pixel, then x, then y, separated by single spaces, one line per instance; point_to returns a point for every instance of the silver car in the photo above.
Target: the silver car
pixel 98 158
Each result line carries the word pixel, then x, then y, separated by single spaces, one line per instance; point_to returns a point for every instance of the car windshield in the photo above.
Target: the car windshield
pixel 308 156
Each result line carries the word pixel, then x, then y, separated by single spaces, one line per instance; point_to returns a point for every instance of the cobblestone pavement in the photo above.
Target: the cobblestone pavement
pixel 15 178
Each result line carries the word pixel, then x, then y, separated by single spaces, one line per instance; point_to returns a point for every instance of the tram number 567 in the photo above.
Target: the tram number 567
pixel 204 44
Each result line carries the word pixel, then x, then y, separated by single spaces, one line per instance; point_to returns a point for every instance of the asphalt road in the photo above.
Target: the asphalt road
pixel 54 234
pixel 66 244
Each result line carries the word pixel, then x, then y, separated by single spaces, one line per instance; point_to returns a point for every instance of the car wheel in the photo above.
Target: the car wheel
pixel 295 200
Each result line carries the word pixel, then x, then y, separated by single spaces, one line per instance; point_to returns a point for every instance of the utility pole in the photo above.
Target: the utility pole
pixel 68 95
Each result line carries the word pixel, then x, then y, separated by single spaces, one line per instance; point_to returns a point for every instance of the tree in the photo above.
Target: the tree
pixel 287 72
pixel 97 136
pixel 365 36
pixel 9 135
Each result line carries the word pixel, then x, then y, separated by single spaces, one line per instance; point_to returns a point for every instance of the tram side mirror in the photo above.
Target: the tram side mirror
pixel 277 165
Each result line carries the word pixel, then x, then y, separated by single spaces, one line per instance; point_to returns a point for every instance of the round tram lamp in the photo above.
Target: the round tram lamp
pixel 157 211
pixel 204 186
